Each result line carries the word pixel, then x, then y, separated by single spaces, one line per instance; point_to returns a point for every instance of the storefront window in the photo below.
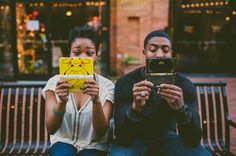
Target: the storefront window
pixel 6 55
pixel 31 39
pixel 43 29
pixel 204 33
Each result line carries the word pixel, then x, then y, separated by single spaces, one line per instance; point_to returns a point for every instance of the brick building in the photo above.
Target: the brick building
pixel 130 23
pixel 34 34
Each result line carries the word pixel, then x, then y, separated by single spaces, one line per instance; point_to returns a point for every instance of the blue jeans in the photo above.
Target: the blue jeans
pixel 168 144
pixel 61 149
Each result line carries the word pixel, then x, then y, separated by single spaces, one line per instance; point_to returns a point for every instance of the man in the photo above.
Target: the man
pixel 145 118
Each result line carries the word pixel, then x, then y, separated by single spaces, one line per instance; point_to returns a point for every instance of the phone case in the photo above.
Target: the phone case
pixel 76 70
pixel 160 70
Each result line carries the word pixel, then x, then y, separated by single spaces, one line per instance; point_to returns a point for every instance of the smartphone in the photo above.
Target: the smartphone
pixel 160 70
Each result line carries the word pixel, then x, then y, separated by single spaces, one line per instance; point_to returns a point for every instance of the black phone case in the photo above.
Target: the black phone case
pixel 160 70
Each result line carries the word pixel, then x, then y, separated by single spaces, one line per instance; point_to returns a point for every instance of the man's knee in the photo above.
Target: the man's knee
pixel 135 149
pixel 171 144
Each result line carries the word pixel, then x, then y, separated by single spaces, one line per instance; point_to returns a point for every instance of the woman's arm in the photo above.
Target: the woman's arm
pixel 101 115
pixel 55 110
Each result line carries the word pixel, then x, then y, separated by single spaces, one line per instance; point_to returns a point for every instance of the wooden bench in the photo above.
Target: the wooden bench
pixel 214 117
pixel 22 119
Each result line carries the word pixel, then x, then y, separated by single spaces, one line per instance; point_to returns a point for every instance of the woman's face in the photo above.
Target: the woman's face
pixel 83 47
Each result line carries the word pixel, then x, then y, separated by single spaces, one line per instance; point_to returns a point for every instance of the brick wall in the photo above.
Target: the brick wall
pixel 130 23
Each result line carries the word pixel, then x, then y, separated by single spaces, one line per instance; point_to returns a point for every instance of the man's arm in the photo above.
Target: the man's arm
pixel 188 118
pixel 126 120
pixel 182 99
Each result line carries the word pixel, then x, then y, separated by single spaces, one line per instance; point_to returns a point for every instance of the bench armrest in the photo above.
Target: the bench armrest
pixel 231 122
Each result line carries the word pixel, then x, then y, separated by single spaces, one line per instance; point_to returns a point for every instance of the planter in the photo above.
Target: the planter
pixel 126 68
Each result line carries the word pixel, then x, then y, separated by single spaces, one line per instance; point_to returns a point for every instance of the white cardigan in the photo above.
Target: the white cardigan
pixel 76 128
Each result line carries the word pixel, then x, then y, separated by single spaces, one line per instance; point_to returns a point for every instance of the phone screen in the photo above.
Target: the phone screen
pixel 160 65
pixel 160 70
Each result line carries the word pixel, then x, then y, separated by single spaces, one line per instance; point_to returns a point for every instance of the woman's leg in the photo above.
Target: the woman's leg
pixel 61 148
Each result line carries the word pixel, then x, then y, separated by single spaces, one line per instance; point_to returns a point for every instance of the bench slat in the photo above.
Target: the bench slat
pixel 15 120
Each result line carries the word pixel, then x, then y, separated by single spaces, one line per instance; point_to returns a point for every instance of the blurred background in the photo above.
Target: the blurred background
pixel 34 33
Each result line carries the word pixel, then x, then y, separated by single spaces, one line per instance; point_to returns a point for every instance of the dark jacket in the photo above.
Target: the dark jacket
pixel 156 116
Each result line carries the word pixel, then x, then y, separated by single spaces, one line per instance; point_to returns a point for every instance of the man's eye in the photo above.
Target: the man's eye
pixel 166 49
pixel 152 48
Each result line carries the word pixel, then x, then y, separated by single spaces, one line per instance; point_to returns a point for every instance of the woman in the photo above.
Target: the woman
pixel 78 121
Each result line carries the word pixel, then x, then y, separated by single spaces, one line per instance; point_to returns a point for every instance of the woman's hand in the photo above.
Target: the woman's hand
pixel 62 91
pixel 91 87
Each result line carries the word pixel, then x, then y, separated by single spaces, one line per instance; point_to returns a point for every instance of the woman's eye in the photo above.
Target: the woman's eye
pixel 90 53
pixel 76 53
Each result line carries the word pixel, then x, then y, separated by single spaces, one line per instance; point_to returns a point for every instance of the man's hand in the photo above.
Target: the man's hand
pixel 141 92
pixel 172 94
pixel 62 91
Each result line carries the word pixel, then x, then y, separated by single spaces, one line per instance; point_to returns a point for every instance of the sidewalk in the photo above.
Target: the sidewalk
pixel 231 90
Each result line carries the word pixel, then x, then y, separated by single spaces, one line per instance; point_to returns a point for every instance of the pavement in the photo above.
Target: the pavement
pixel 231 90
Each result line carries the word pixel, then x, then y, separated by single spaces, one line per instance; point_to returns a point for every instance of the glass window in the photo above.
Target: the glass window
pixel 204 33
pixel 6 55
pixel 33 53
pixel 43 31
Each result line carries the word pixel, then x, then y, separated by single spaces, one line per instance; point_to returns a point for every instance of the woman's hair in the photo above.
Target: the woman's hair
pixel 84 32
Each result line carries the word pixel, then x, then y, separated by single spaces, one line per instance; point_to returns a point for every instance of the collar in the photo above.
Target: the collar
pixel 143 73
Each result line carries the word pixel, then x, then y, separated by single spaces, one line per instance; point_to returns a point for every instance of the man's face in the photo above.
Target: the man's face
pixel 158 47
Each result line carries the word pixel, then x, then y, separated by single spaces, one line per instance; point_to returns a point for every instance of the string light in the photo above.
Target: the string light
pixel 41 4
pixel 234 12
pixel 206 4
pixel 20 5
pixel 68 13
pixel 96 3
pixel 102 3
pixel 42 29
pixel 227 18
pixel 88 3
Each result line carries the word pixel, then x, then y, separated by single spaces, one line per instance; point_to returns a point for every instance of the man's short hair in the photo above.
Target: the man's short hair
pixel 155 33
